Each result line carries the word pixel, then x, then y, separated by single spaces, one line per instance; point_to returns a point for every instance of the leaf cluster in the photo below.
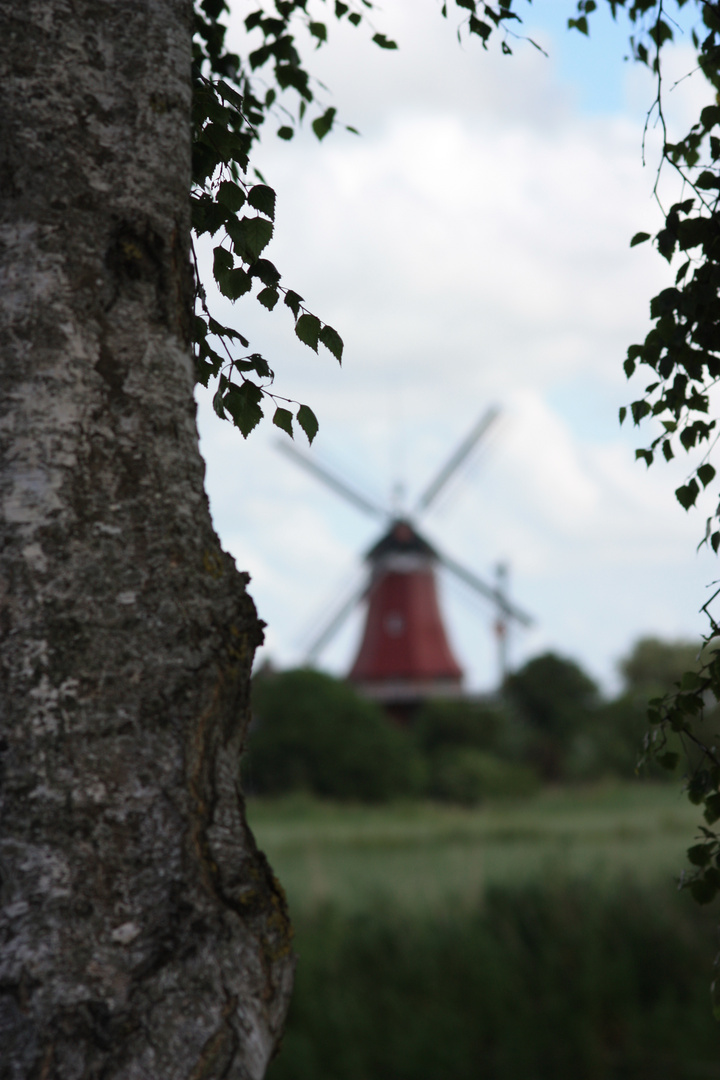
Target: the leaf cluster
pixel 483 18
pixel 683 726
pixel 682 349
pixel 233 97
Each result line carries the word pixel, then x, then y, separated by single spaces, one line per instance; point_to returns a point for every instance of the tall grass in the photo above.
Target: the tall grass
pixel 542 982
pixel 425 856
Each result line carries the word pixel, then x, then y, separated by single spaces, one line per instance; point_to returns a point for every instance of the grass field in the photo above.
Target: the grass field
pixel 424 856
pixel 580 962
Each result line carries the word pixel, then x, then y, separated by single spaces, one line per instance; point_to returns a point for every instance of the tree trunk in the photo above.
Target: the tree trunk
pixel 143 935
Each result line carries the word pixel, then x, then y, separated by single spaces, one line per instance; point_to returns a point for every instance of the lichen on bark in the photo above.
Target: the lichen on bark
pixel 143 935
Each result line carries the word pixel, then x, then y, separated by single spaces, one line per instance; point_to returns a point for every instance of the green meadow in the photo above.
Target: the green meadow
pixel 423 856
pixel 542 939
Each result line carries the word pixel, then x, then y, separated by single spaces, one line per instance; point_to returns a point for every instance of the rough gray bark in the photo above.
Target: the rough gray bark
pixel 141 933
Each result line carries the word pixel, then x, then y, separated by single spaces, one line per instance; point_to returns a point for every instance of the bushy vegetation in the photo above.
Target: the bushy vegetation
pixel 471 750
pixel 539 983
pixel 316 734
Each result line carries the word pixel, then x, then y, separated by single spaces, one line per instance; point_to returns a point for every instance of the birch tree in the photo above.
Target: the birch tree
pixel 143 934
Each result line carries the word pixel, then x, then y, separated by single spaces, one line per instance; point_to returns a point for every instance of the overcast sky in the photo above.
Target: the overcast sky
pixel 472 248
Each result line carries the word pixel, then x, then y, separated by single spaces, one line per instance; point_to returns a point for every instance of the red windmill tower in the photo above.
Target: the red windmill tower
pixel 404 655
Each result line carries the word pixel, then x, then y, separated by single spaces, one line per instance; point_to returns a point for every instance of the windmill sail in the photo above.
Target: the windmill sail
pixel 462 453
pixel 361 502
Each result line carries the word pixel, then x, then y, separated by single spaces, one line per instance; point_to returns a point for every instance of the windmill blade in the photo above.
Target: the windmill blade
pixel 455 461
pixel 334 624
pixel 490 592
pixel 339 486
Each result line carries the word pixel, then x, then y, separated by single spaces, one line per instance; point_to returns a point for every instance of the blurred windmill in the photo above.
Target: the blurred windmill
pixel 404 655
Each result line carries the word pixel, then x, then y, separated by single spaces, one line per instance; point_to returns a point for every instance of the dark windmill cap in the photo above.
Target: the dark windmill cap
pixel 401 538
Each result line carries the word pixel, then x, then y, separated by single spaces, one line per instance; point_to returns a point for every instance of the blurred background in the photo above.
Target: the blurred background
pixel 487 890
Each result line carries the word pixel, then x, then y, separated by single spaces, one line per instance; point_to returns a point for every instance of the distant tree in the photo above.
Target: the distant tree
pixel 442 723
pixel 556 699
pixel 655 667
pixel 473 751
pixel 314 733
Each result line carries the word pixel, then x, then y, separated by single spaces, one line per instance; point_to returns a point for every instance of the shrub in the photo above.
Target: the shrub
pixel 443 723
pixel 556 701
pixel 314 733
pixel 467 776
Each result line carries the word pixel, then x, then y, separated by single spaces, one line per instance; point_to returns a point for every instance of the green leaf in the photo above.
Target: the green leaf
pixel 307 329
pixel 266 271
pixel 383 42
pixel 322 124
pixel 229 145
pixel 668 760
pixel 639 238
pixel 318 30
pixel 234 283
pixel 293 301
pixel 687 494
pixel 308 422
pixel 283 419
pixel 207 215
pixel 218 404
pixel 254 362
pixel 262 198
pixel 482 29
pixel 690 681
pixel 702 891
pixel 231 195
pixel 712 809
pixel 268 298
pixel 710 116
pixel 705 474
pixel 639 410
pixel 332 341
pixel 285 132
pixel 222 261
pixel 580 24
pixel 622 414
pixel 699 854
pixel 226 331
pixel 228 94
pixel 250 236
pixel 243 404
